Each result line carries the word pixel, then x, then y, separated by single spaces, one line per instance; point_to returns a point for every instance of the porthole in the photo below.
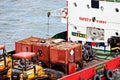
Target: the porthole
pixel 117 33
pixel 93 19
pixel 75 27
pixel 102 8
pixel 88 6
pixel 116 9
pixel 75 4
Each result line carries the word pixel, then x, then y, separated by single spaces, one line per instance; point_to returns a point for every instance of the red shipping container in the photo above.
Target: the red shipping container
pixel 72 68
pixel 43 48
pixel 66 52
pixel 23 46
pixel 26 44
pixel 18 47
pixel 78 51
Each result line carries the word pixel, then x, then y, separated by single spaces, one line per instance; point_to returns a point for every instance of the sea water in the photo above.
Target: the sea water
pixel 20 19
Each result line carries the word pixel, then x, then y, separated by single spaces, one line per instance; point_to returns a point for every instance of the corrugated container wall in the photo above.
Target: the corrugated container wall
pixel 26 44
pixel 43 48
pixel 66 52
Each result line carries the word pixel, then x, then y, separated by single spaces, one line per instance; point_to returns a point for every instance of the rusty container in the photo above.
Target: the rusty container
pixel 26 44
pixel 18 47
pixel 43 50
pixel 66 52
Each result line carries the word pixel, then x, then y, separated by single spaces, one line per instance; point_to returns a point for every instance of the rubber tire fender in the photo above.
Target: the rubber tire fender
pixel 109 75
pixel 86 56
pixel 96 77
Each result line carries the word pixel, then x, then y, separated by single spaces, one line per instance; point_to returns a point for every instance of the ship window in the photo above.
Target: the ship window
pixel 117 33
pixel 95 3
pixel 75 4
pixel 75 27
pixel 102 8
pixel 116 9
pixel 88 6
pixel 93 19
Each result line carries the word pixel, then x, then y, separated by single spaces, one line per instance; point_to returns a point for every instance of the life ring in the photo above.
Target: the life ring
pixel 109 75
pixel 96 77
pixel 90 51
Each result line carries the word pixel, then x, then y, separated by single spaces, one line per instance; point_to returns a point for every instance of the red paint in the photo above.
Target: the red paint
pixel 26 45
pixel 61 53
pixel 84 74
pixel 90 72
pixel 93 43
pixel 100 21
pixel 2 47
pixel 112 64
pixel 72 68
pixel 85 19
pixel 67 22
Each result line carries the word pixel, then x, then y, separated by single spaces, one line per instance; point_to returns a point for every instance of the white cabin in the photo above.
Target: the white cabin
pixel 93 21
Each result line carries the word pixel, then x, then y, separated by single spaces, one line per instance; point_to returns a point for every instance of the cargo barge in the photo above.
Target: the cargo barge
pixel 65 60
pixel 95 23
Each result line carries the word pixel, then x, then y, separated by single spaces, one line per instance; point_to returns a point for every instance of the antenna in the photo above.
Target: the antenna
pixel 48 15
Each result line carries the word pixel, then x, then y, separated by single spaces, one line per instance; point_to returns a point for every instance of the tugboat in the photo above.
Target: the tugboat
pixel 95 23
